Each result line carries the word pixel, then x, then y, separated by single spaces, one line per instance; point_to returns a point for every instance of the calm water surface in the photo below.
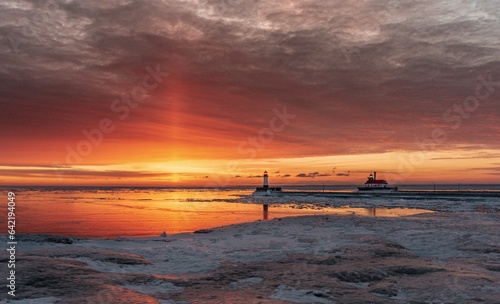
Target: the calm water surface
pixel 145 212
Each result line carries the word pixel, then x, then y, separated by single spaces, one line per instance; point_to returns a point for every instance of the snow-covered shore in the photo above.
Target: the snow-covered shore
pixel 446 204
pixel 441 257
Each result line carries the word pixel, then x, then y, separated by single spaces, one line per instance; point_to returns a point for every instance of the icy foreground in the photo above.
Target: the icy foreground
pixel 428 258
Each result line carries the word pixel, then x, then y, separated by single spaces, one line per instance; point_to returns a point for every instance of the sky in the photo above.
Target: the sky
pixel 214 92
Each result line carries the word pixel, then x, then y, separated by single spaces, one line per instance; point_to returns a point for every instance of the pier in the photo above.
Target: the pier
pixel 374 187
pixel 402 194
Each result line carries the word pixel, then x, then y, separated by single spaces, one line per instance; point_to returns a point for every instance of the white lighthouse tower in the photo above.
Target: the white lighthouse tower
pixel 265 190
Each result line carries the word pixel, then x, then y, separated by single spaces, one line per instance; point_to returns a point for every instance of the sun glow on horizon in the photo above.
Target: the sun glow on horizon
pixel 400 167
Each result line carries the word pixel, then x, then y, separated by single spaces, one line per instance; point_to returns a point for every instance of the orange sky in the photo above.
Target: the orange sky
pixel 187 94
pixel 397 167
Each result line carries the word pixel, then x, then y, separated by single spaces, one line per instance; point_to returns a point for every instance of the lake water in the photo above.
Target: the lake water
pixel 113 212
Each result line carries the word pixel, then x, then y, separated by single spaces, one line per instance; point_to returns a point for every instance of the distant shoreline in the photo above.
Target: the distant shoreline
pixel 412 194
pixel 332 187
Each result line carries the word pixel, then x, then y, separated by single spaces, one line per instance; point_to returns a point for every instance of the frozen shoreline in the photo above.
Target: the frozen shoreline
pixel 455 204
pixel 441 257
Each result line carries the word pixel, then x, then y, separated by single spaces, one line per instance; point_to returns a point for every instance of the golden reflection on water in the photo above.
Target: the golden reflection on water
pixel 145 212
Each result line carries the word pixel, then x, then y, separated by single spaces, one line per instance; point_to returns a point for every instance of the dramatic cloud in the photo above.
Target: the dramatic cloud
pixel 482 155
pixel 344 174
pixel 39 172
pixel 488 170
pixel 312 175
pixel 358 77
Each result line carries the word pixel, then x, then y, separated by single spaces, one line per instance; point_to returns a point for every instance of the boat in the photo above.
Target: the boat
pixel 374 185
pixel 265 190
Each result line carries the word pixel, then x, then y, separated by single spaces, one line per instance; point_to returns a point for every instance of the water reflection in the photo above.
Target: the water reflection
pixel 281 211
pixel 143 212
pixel 265 210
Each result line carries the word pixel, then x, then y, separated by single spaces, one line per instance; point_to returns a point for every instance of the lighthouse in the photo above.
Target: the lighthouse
pixel 266 180
pixel 265 190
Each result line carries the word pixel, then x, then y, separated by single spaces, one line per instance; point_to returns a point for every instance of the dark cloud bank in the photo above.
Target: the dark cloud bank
pixel 360 76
